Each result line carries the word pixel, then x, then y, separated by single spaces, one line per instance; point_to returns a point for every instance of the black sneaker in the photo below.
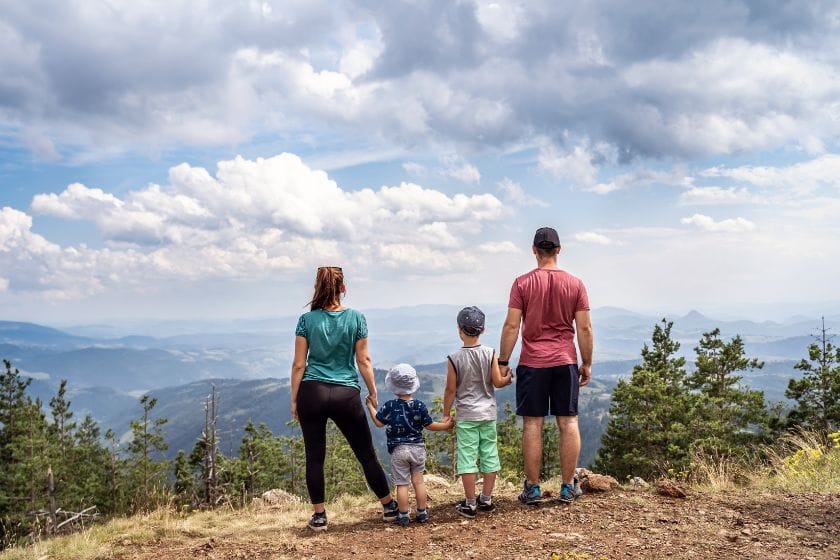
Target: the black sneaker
pixel 390 512
pixel 485 505
pixel 531 494
pixel 318 522
pixel 465 509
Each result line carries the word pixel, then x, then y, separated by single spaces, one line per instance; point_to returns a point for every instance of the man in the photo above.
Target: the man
pixel 550 304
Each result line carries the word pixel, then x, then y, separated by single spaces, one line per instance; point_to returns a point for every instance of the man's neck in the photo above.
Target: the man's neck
pixel 547 264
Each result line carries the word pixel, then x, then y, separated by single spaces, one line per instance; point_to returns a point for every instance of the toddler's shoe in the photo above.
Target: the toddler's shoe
pixel 421 516
pixel 403 519
pixel 487 505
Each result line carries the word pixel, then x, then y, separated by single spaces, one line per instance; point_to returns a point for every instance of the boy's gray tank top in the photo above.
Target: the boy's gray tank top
pixel 475 396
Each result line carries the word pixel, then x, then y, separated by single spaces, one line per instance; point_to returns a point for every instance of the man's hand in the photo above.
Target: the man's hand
pixel 507 375
pixel 585 375
pixel 450 423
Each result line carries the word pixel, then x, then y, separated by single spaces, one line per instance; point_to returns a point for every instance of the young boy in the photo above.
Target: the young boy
pixel 472 377
pixel 404 419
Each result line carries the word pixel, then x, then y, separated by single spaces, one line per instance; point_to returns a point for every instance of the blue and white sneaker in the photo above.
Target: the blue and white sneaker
pixel 568 493
pixel 421 515
pixel 531 494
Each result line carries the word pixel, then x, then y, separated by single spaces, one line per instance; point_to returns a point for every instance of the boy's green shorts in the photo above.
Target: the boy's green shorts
pixel 477 440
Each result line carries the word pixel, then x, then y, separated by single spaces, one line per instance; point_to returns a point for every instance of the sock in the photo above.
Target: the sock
pixel 470 502
pixel 418 510
pixel 403 514
pixel 486 499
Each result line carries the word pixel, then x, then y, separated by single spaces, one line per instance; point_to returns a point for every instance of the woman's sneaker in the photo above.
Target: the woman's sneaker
pixel 421 516
pixel 318 522
pixel 485 505
pixel 531 494
pixel 390 512
pixel 465 509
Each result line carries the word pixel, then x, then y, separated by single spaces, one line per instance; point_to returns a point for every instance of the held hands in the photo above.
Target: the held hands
pixel 506 373
pixel 449 421
pixel 372 401
pixel 584 375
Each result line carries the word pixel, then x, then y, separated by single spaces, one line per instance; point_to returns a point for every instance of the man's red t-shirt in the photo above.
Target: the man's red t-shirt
pixel 548 300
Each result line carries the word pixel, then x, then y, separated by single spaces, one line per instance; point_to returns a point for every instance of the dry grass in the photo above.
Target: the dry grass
pixel 803 462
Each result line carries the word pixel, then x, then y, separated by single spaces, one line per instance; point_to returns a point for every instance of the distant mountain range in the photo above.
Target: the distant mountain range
pixel 249 362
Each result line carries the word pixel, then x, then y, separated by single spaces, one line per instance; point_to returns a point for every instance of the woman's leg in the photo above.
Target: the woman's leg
pixel 313 423
pixel 349 416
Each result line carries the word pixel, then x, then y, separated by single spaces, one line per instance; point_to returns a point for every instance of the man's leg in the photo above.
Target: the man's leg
pixel 569 446
pixel 532 443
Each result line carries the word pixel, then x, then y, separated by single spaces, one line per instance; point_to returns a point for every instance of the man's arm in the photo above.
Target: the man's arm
pixel 586 342
pixel 510 333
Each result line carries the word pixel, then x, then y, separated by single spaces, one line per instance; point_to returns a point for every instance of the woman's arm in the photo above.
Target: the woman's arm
pixel 366 370
pixel 298 367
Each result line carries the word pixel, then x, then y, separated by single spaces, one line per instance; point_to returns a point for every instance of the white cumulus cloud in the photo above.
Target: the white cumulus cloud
pixel 593 237
pixel 731 225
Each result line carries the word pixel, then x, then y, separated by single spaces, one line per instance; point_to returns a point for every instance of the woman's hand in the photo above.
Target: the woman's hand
pixel 372 400
pixel 293 409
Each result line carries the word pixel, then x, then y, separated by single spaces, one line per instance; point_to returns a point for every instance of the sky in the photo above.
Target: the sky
pixel 186 159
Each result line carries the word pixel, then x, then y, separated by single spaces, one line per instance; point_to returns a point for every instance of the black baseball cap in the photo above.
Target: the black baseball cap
pixel 546 238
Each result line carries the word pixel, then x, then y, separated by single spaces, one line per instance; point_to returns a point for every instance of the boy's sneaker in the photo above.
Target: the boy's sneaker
pixel 485 505
pixel 465 509
pixel 403 519
pixel 568 493
pixel 531 494
pixel 318 522
pixel 390 512
pixel 421 516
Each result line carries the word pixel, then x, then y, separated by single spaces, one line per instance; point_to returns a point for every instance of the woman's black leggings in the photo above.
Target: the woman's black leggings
pixel 317 402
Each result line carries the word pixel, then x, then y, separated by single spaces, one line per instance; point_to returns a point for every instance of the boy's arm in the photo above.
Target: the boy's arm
pixel 449 392
pixel 499 380
pixel 372 411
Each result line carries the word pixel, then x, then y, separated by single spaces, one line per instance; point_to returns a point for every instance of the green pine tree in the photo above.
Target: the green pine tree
pixel 733 416
pixel 146 462
pixel 650 427
pixel 817 392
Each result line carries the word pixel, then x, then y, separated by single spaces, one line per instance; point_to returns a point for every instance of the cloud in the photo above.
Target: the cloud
pixel 732 225
pixel 461 170
pixel 593 237
pixel 723 80
pixel 498 247
pixel 576 165
pixel 415 168
pixel 251 218
pixel 515 194
pixel 709 196
pixel 802 177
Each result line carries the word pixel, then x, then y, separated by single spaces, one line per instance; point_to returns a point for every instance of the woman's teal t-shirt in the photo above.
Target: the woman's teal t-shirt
pixel 332 337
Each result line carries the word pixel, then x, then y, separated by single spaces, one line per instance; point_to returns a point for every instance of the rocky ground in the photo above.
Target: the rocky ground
pixel 621 523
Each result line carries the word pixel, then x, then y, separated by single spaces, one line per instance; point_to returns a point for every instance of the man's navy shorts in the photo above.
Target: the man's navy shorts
pixel 544 391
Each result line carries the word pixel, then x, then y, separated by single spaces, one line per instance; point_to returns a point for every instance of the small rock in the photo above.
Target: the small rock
pixel 278 497
pixel 670 488
pixel 598 483
pixel 435 482
pixel 639 482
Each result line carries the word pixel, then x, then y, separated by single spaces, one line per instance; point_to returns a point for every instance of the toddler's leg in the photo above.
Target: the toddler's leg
pixel 402 497
pixel 419 490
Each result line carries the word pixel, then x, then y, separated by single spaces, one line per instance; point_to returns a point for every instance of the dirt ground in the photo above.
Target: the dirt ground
pixel 619 524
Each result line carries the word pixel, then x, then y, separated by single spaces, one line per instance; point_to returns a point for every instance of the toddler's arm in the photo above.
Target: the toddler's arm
pixel 372 411
pixel 441 426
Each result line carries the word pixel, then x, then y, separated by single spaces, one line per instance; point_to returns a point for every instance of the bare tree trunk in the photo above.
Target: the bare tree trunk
pixel 53 523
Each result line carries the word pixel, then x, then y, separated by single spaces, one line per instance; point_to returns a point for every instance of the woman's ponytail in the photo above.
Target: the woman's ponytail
pixel 328 283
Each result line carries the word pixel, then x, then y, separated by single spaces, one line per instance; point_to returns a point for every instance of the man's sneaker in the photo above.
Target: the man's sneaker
pixel 485 505
pixel 567 493
pixel 421 516
pixel 530 494
pixel 390 512
pixel 318 522
pixel 403 519
pixel 465 509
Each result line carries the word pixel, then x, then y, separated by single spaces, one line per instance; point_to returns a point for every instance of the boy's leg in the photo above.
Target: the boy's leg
pixel 419 490
pixel 488 455
pixel 402 497
pixel 468 440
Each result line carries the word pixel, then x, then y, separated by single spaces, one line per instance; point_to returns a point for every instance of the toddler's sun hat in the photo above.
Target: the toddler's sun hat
pixel 402 380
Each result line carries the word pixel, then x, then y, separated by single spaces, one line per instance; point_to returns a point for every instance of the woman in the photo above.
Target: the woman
pixel 325 385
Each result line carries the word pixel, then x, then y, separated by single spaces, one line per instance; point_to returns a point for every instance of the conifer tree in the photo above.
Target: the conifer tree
pixel 343 473
pixel 62 425
pixel 732 415
pixel 510 444
pixel 147 442
pixel 650 428
pixel 817 392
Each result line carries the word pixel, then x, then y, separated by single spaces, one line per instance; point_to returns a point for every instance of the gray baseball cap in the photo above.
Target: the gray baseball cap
pixel 471 320
pixel 402 380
